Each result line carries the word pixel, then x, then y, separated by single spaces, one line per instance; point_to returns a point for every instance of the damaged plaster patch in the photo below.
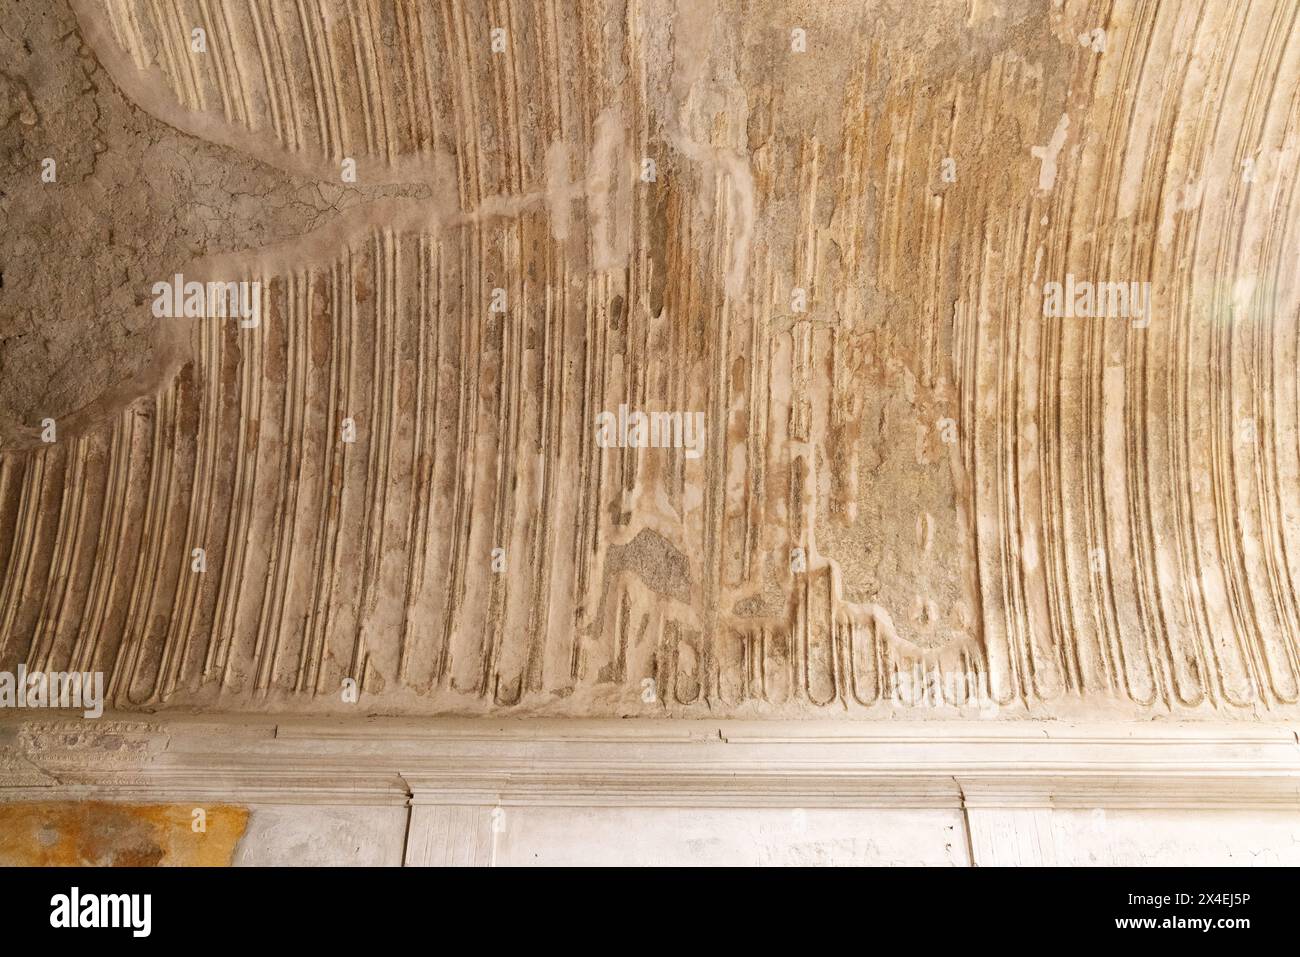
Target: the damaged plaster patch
pixel 1048 154
pixel 113 834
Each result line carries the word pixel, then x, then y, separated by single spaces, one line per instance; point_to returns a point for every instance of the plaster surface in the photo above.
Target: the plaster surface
pixel 118 834
pixel 829 229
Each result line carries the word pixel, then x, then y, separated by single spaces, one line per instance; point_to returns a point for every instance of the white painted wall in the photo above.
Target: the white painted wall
pixel 314 836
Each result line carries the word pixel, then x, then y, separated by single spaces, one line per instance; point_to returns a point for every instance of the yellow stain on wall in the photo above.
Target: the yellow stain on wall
pixel 114 834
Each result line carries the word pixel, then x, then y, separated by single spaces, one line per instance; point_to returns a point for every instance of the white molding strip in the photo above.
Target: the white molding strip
pixel 670 763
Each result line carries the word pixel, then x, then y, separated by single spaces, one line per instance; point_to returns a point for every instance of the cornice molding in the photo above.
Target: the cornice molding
pixel 645 762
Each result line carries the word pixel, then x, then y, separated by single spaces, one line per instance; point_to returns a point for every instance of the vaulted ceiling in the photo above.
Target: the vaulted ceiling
pixel 825 232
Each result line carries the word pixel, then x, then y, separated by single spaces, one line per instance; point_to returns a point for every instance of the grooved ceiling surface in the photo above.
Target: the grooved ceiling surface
pixel 827 228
